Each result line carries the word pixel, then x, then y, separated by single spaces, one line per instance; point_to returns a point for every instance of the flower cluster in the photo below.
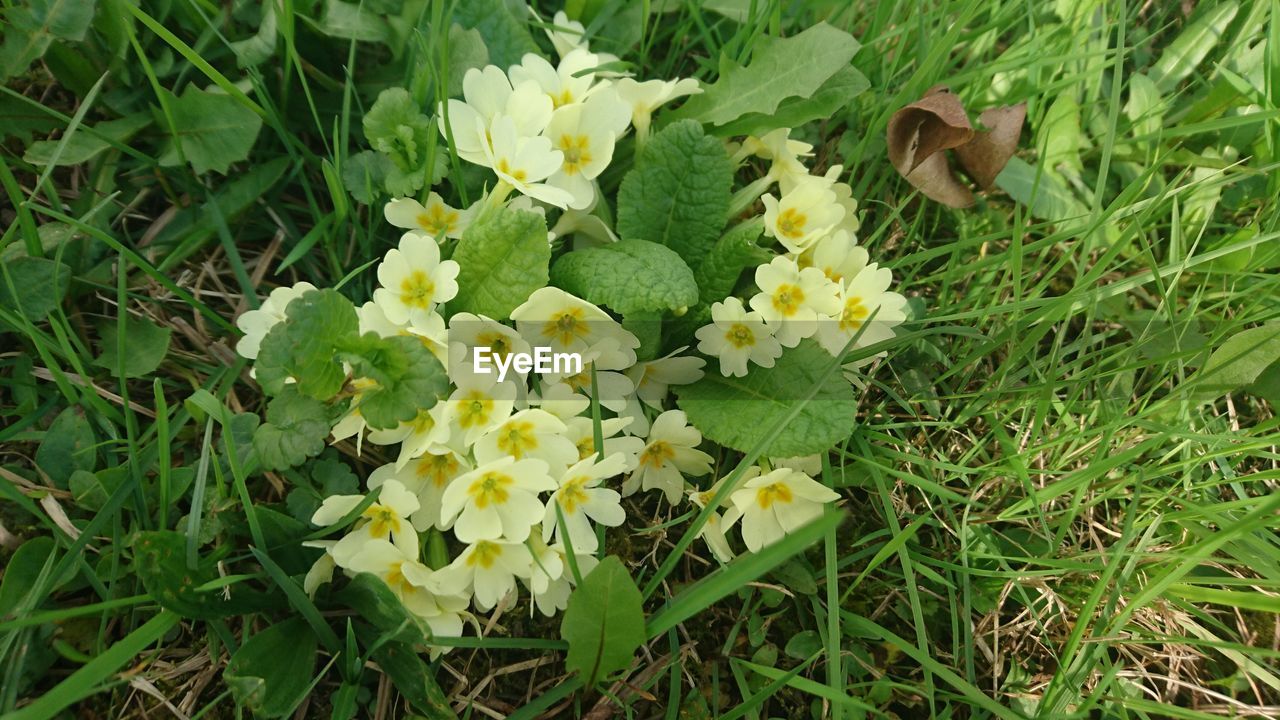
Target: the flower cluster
pixel 513 481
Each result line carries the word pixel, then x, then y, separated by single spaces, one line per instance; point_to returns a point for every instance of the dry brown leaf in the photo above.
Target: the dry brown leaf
pixel 920 133
pixel 989 151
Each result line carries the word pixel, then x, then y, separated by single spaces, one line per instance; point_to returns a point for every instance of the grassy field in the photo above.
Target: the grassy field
pixel 1060 499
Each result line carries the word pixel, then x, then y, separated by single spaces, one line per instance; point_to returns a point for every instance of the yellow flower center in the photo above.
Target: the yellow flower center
pixel 586 448
pixel 437 221
pixel 564 97
pixel 740 336
pixel 787 299
pixel 498 344
pixel 572 494
pixel 423 423
pixel 791 223
pixel 566 326
pixel 474 410
pixel 770 494
pixel 517 439
pixel 490 488
pixel 484 554
pixel 657 453
pixel 438 469
pixel 505 168
pixel 397 581
pixel 854 313
pixel 382 520
pixel 417 289
pixel 577 152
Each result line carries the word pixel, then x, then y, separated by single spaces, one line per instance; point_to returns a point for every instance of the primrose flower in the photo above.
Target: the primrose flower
pixel 498 499
pixel 559 399
pixel 713 532
pixel 468 332
pixel 478 403
pixel 613 387
pixel 564 85
pixel 786 168
pixel 566 35
pixel 862 296
pixel 532 433
pixel 736 335
pixel 417 586
pixel 581 432
pixel 653 378
pixel 488 95
pixel 777 503
pixel 581 500
pixel 435 219
pixel 414 280
pixel 426 477
pixel 427 327
pixel 555 319
pixel 386 519
pixel 837 255
pixel 805 213
pixel 552 579
pixel 321 571
pixel 525 162
pixel 428 432
pixel 645 97
pixel 669 454
pixel 489 568
pixel 792 299
pixel 584 134
pixel 844 198
pixel 255 324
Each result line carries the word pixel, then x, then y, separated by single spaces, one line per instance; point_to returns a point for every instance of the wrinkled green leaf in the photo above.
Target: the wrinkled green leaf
pixel 502 258
pixel 305 346
pixel 678 193
pixel 734 252
pixel 295 430
pixel 738 411
pixel 629 276
pixel 604 622
pixel 407 377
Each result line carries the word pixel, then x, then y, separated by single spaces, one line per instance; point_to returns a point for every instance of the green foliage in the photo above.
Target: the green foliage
pixel 86 143
pixel 835 94
pixel 160 562
pixel 629 276
pixel 678 193
pixel 1244 362
pixel 295 430
pixel 407 378
pixel 734 252
pixel 414 679
pixel 271 672
pixel 604 622
pixel 369 596
pixel 1182 56
pixel 30 28
pixel 737 412
pixel 505 34
pixel 793 67
pixel 144 348
pixel 305 347
pixel 33 286
pixel 69 445
pixel 210 130
pixel 502 258
pixel 395 127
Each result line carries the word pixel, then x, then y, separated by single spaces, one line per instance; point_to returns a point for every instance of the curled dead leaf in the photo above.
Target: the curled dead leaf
pixel 920 133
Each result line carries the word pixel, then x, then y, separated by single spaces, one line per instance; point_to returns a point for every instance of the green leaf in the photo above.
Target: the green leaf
pixel 629 276
pixel 159 559
pixel 365 175
pixel 505 34
pixel 1061 138
pixel 32 26
pixel 22 570
pixel 272 671
pixel 1239 362
pixel 213 130
pixel 91 490
pixel 678 193
pixel 84 145
pixel 466 51
pixel 1181 57
pixel 407 378
pixel 779 69
pixel 295 430
pixel 502 258
pixel 33 286
pixel 145 345
pixel 414 679
pixel 736 412
pixel 257 49
pixel 353 21
pixel 835 94
pixel 734 252
pixel 305 346
pixel 604 622
pixel 1044 194
pixel 369 596
pixel 68 446
pixel 22 118
pixel 396 127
